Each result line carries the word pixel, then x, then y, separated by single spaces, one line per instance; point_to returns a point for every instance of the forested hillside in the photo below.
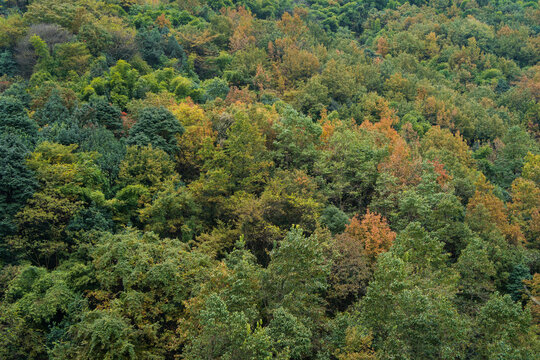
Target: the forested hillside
pixel 269 179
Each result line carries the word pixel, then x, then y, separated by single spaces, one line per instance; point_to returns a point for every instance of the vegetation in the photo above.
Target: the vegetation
pixel 277 179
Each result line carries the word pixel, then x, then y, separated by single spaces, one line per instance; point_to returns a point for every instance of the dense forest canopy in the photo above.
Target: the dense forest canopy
pixel 269 179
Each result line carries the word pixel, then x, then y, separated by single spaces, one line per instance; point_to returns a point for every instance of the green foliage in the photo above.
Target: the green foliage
pixel 477 274
pixel 155 46
pixel 53 111
pixel 110 151
pixel 297 137
pixel 244 156
pixel 509 163
pixel 334 219
pixel 136 185
pixel 7 64
pixel 409 307
pixel 35 300
pixel 348 169
pixel 277 179
pixel 14 119
pixel 504 330
pixel 73 56
pixel 106 335
pixel 173 213
pixel 156 127
pixel 227 335
pixel 292 338
pixel 18 185
pixel 67 181
pixel 45 61
pixel 295 259
pixel 99 112
pixel 214 88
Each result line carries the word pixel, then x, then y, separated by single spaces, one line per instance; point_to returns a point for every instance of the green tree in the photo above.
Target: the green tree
pixel 99 112
pixel 45 60
pixel 291 338
pixel 103 334
pixel 509 162
pixel 18 184
pixel 14 119
pixel 8 66
pixel 37 303
pixel 348 168
pixel 156 126
pixel 244 156
pixel 477 273
pixel 295 259
pixel 173 213
pixel 136 185
pixel 72 56
pixel 119 84
pixel 504 330
pixel 68 181
pixel 409 304
pixel 53 111
pixel 227 335
pixel 297 138
pixel 334 219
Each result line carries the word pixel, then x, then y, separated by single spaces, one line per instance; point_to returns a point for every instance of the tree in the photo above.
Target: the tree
pixel 50 34
pixel 36 303
pixel 486 214
pixel 8 66
pixel 99 112
pixel 53 111
pixel 509 162
pixel 294 260
pixel 199 136
pixel 119 84
pixel 525 204
pixel 147 41
pixel 452 150
pixel 334 219
pixel 348 168
pixel 244 155
pixel 110 149
pixel 409 304
pixel 357 250
pixel 372 233
pixel 350 273
pixel 289 199
pixel 299 64
pixel 156 126
pixel 67 182
pixel 73 56
pixel 18 182
pixel 137 186
pixel 291 338
pixel 297 138
pixel 141 282
pixel 532 289
pixel 477 271
pixel 44 58
pixel 103 334
pixel 531 168
pixel 134 168
pixel 156 46
pixel 227 335
pixel 173 213
pixel 504 330
pixel 14 119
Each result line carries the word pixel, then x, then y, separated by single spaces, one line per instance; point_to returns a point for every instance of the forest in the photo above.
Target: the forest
pixel 269 179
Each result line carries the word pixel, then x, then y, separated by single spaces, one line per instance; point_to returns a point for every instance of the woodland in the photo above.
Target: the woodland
pixel 269 179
